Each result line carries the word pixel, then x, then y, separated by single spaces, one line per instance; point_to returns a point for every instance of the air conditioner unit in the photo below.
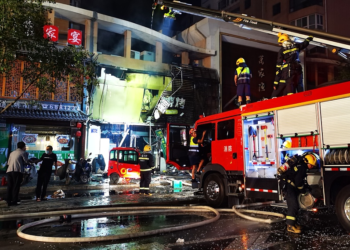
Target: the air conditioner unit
pixel 135 54
pixel 147 56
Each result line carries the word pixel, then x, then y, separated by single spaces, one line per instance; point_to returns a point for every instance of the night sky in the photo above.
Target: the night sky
pixel 138 11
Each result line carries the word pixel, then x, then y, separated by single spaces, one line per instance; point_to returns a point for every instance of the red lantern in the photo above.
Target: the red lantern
pixel 78 125
pixel 78 134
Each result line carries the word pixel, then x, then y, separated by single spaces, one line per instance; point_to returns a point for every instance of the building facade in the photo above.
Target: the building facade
pixel 324 15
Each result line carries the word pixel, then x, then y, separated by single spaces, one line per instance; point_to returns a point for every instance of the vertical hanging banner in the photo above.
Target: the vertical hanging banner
pixel 159 133
pixel 74 37
pixel 51 32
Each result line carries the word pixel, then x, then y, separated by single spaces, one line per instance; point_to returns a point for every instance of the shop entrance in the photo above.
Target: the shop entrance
pixel 38 137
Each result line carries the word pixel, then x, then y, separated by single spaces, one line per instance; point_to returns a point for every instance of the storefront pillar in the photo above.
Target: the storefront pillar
pixel 127 44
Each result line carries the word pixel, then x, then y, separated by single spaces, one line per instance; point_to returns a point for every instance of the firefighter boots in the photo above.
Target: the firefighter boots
pixel 293 229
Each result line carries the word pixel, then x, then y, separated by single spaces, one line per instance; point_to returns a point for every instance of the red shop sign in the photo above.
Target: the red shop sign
pixel 51 31
pixel 74 37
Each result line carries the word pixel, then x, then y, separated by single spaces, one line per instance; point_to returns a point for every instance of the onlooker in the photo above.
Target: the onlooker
pixel 14 172
pixel 44 173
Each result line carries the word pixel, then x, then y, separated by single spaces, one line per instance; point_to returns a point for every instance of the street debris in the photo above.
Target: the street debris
pixel 58 194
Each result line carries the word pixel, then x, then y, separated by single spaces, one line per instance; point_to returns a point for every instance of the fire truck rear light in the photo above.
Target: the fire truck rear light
pixel 242 186
pixel 315 210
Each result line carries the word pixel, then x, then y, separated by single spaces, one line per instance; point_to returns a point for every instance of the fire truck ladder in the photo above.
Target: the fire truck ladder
pixel 337 44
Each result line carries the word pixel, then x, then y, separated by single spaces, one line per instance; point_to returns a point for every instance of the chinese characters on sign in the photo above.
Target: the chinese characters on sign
pixel 51 32
pixel 261 73
pixel 74 37
pixel 43 106
pixel 177 102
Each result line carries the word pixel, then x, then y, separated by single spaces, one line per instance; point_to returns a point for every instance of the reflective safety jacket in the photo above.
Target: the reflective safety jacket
pixel 194 148
pixel 296 176
pixel 146 162
pixel 288 61
pixel 243 75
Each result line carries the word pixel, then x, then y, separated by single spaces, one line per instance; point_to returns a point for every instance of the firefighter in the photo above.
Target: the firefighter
pixel 288 68
pixel 293 176
pixel 146 167
pixel 242 81
pixel 193 152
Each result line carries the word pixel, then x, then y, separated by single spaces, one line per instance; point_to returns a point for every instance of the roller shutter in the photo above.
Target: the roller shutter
pixel 297 120
pixel 335 117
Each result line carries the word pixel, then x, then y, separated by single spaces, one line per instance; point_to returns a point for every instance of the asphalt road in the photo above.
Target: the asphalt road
pixel 321 231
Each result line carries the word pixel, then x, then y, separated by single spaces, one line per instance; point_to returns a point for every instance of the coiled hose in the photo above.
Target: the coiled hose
pixel 122 211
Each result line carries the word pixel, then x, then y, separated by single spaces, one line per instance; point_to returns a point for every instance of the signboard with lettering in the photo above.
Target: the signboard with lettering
pixel 74 37
pixel 51 32
pixel 41 106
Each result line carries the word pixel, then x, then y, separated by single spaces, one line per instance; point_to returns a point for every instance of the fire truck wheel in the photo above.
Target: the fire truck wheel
pixel 114 178
pixel 342 207
pixel 214 190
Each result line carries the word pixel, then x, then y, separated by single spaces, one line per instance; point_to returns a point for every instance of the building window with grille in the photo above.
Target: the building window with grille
pixel 314 21
pixel 276 9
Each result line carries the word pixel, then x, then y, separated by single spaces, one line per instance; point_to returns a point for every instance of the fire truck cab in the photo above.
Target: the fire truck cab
pixel 248 145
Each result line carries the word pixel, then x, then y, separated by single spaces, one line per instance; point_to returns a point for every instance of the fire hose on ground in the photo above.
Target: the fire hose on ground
pixel 123 211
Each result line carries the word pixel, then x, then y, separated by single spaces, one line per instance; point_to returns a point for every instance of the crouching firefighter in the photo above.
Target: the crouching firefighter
pixel 292 177
pixel 288 68
pixel 146 168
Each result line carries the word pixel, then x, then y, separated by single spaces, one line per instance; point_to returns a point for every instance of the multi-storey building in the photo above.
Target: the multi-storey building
pixel 324 15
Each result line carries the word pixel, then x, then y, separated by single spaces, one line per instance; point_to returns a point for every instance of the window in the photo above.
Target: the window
pixel 127 157
pixel 226 130
pixel 295 5
pixel 112 156
pixel 314 21
pixel 247 4
pixel 276 9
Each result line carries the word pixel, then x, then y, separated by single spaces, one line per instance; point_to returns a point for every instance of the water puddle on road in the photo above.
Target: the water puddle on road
pixel 105 226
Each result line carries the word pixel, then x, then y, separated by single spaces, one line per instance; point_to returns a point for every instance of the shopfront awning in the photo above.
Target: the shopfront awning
pixel 74 116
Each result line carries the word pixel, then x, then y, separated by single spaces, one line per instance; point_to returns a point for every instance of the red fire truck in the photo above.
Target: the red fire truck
pixel 247 148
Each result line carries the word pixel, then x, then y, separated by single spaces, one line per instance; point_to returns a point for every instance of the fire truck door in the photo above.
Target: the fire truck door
pixel 227 148
pixel 177 146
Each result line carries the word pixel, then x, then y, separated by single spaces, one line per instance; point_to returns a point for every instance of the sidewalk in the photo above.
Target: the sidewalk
pixel 97 183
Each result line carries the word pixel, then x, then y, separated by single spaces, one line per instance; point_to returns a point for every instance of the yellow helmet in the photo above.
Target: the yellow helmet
pixel 240 60
pixel 282 38
pixel 287 144
pixel 146 148
pixel 310 159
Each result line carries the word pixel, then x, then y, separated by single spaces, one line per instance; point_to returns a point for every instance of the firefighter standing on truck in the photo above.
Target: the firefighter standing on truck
pixel 288 68
pixel 242 81
pixel 146 167
pixel 193 152
pixel 293 176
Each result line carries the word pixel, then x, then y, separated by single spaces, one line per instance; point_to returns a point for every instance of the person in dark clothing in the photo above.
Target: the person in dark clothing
pixel 293 175
pixel 146 167
pixel 44 174
pixel 288 68
pixel 15 170
pixel 193 152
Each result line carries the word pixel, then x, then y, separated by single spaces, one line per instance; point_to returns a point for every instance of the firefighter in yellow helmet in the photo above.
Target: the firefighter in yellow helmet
pixel 242 81
pixel 288 68
pixel 146 167
pixel 293 182
pixel 193 152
